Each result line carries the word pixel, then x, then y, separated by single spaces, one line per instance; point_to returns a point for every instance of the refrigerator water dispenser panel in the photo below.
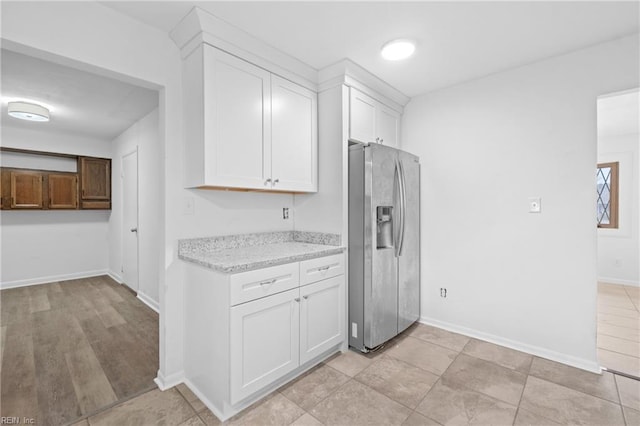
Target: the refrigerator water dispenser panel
pixel 384 228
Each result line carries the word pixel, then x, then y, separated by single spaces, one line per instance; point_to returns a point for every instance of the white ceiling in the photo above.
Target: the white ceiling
pixel 80 102
pixel 457 41
pixel 619 114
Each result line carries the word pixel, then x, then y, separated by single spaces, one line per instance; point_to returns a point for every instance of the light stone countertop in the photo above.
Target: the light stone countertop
pixel 239 253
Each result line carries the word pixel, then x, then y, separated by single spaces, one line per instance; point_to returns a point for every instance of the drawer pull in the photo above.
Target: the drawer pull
pixel 324 268
pixel 297 299
pixel 305 297
pixel 268 282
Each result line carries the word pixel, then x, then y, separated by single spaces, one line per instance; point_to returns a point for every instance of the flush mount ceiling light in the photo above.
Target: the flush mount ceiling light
pixel 396 50
pixel 28 111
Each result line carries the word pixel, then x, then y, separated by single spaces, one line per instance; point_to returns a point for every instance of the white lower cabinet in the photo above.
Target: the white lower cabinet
pixel 264 342
pixel 249 332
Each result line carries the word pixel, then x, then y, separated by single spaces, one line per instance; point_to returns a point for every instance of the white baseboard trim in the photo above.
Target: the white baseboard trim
pixel 210 405
pixel 580 363
pixel 167 382
pixel 52 278
pixel 149 301
pixel 619 281
pixel 116 277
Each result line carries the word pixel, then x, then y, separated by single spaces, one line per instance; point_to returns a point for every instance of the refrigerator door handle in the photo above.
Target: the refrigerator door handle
pixel 403 206
pixel 397 227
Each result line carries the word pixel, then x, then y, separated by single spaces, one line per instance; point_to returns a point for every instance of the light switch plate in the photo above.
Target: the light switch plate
pixel 535 205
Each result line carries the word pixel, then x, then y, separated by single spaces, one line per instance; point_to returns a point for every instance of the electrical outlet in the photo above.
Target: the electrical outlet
pixel 443 292
pixel 285 212
pixel 354 330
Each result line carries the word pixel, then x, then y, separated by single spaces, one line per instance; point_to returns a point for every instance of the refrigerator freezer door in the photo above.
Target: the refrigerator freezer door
pixel 409 260
pixel 381 295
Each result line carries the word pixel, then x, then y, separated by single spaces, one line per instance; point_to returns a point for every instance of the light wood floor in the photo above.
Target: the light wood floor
pixel 619 328
pixel 71 348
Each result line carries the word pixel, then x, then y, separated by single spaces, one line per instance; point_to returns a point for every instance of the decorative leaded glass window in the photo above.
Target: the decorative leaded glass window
pixel 607 188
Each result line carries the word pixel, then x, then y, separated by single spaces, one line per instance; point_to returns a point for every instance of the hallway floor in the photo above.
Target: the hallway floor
pixel 72 348
pixel 427 376
pixel 619 328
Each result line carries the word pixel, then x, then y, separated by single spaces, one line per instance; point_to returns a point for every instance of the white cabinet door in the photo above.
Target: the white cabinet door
pixel 388 122
pixel 321 317
pixel 362 117
pixel 294 137
pixel 264 342
pixel 237 110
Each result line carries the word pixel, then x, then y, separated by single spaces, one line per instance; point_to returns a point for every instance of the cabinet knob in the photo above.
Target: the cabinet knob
pixel 266 182
pixel 297 299
pixel 305 297
pixel 377 140
pixel 381 140
pixel 276 181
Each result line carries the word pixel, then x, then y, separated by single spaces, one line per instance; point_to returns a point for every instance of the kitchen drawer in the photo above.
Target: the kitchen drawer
pixel 313 270
pixel 252 285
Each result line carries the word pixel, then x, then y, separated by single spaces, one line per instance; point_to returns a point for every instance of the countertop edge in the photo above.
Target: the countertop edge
pixel 263 264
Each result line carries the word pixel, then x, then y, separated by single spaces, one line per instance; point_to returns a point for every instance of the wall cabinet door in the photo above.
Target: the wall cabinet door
pixel 264 342
pixel 321 317
pixel 95 182
pixel 26 190
pixel 63 191
pixel 372 121
pixel 294 137
pixel 237 121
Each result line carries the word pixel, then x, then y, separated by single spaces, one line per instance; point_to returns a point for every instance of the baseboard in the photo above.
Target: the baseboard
pixel 149 301
pixel 619 281
pixel 167 382
pixel 116 277
pixel 580 363
pixel 52 278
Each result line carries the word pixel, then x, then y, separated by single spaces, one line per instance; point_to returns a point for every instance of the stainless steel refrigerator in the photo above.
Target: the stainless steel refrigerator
pixel 384 244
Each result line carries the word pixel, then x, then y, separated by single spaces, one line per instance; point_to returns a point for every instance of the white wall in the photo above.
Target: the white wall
pixel 143 136
pixel 516 278
pixel 45 246
pixel 619 249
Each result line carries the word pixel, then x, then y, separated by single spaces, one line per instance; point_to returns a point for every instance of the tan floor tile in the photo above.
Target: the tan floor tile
pixel 311 388
pixel 486 377
pixel 398 380
pixel 276 409
pixel 154 407
pixel 209 418
pixel 527 418
pixel 425 355
pixel 619 321
pixel 416 419
pixel 83 422
pixel 439 336
pixel 357 404
pixel 307 420
pixel 193 421
pixel 615 344
pixel 619 362
pixel 600 385
pixel 452 404
pixel 350 362
pixel 500 355
pixel 621 312
pixel 629 392
pixel 567 405
pixel 631 416
pixel 619 332
pixel 190 397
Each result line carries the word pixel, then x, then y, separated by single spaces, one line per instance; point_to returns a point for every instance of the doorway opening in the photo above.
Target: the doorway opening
pixel 618 195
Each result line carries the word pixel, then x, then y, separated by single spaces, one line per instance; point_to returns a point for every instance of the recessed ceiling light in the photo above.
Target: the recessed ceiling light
pixel 396 50
pixel 28 111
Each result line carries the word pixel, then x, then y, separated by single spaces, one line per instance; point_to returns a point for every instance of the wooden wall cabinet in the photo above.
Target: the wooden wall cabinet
pixel 63 190
pixel 95 182
pixel 22 189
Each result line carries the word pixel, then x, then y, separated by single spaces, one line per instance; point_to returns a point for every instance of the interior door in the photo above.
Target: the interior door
pixel 130 220
pixel 409 259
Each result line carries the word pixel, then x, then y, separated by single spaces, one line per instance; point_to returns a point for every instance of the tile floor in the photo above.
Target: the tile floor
pixel 427 376
pixel 619 328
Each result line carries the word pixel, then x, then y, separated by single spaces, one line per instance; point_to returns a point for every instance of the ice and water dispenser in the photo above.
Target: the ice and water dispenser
pixel 384 232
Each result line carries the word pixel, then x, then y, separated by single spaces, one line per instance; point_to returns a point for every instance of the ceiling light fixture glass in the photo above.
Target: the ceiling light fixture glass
pixel 396 50
pixel 28 111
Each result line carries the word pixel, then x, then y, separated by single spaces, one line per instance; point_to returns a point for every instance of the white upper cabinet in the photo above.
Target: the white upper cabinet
pixel 294 136
pixel 247 128
pixel 372 121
